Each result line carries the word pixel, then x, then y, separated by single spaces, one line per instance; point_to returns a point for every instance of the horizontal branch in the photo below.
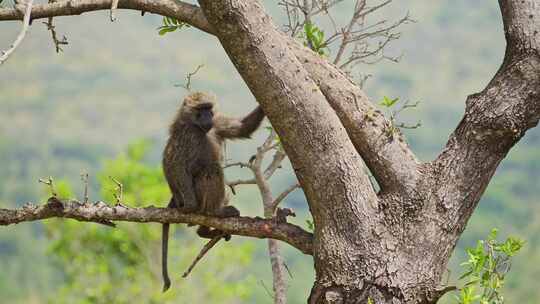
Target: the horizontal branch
pixel 182 11
pixel 102 213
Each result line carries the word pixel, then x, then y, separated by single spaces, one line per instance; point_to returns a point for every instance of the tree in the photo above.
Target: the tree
pixel 386 246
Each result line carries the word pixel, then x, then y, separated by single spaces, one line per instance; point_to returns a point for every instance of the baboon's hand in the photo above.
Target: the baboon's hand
pixel 228 211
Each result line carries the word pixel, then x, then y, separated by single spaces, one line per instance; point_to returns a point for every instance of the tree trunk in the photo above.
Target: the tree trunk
pixel 390 247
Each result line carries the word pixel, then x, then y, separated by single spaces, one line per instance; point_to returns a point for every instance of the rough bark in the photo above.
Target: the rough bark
pixel 101 212
pixel 278 272
pixel 390 247
pixel 351 237
pixel 388 157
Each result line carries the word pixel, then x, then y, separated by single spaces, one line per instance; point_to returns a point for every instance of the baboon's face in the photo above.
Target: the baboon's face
pixel 203 117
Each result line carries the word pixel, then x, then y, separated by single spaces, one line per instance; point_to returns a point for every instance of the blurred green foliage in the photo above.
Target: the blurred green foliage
pixel 116 265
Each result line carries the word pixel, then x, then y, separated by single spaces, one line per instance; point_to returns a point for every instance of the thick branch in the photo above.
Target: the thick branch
pixel 495 119
pixel 325 161
pixel 389 158
pixel 182 11
pixel 245 226
pixel 319 150
pixel 521 24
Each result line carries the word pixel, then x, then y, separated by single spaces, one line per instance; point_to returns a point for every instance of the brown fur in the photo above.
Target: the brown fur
pixel 193 163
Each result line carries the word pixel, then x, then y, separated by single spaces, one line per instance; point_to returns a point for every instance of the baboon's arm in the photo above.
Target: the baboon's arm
pixel 187 190
pixel 230 128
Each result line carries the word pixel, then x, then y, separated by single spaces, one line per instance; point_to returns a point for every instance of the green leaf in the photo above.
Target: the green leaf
pixel 466 274
pixel 171 25
pixel 163 31
pixel 314 38
pixel 387 102
pixel 493 234
pixel 310 225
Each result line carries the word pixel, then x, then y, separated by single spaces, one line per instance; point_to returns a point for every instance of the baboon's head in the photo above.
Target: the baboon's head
pixel 198 109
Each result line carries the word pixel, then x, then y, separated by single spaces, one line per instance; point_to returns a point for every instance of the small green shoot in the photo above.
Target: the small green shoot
pixel 486 268
pixel 310 225
pixel 390 105
pixel 276 138
pixel 315 38
pixel 387 102
pixel 171 25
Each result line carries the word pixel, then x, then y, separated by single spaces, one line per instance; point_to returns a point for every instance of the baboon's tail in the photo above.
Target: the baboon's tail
pixel 164 254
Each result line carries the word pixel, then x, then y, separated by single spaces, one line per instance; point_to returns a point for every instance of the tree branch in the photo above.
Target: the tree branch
pixel 390 160
pixel 26 22
pixel 254 44
pixel 182 11
pixel 495 119
pixel 100 212
pixel 284 194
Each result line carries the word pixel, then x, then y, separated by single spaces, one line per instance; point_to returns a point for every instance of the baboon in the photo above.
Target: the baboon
pixel 193 160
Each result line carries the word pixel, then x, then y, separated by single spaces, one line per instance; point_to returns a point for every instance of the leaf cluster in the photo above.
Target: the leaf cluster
pixel 393 111
pixel 314 38
pixel 171 25
pixel 486 268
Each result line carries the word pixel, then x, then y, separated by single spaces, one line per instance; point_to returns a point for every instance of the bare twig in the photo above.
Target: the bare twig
pixel 26 22
pixel 49 182
pixel 50 26
pixel 266 289
pixel 357 40
pixel 284 194
pixel 241 182
pixel 278 158
pixel 237 164
pixel 84 178
pixel 187 86
pixel 261 178
pixel 202 253
pixel 288 270
pixel 119 189
pixel 114 6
